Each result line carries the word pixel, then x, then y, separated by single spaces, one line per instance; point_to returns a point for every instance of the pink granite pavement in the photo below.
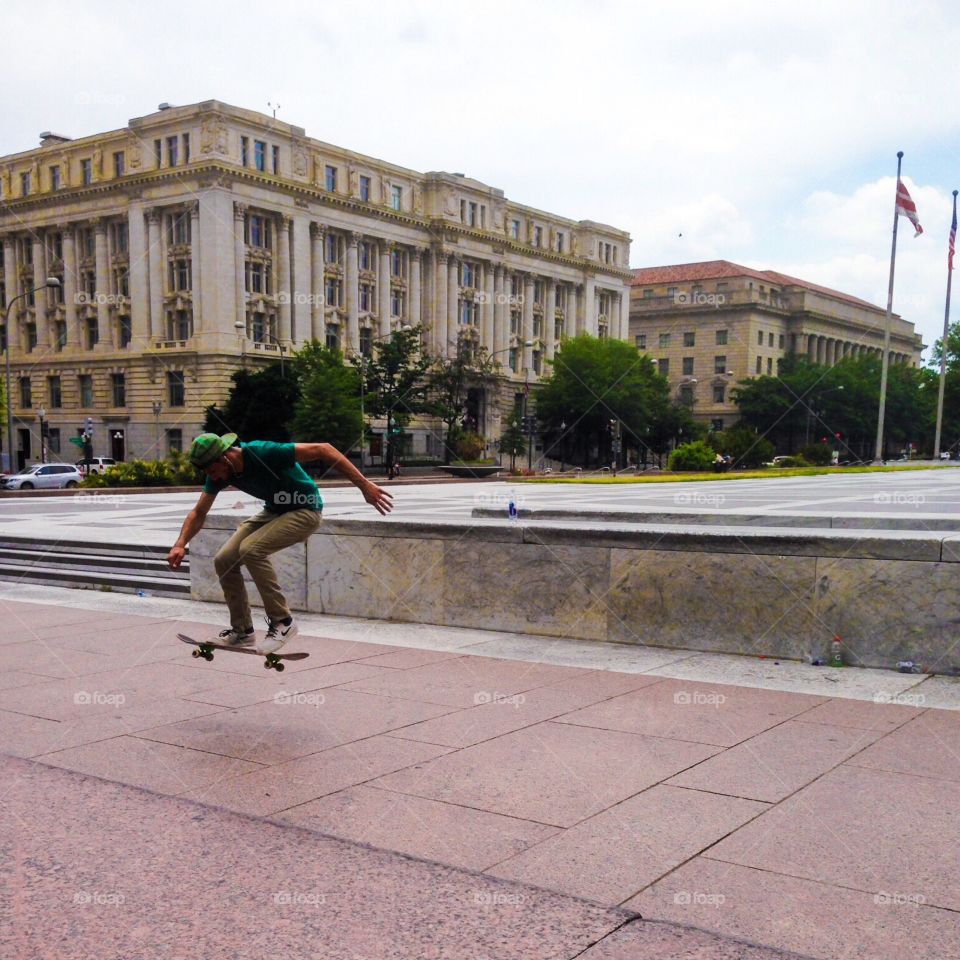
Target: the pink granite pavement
pixel 373 802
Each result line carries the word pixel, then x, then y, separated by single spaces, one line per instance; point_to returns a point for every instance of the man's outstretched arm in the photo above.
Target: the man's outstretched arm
pixel 378 498
pixel 191 527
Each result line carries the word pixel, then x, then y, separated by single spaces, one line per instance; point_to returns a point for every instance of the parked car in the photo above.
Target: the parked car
pixel 95 465
pixel 43 476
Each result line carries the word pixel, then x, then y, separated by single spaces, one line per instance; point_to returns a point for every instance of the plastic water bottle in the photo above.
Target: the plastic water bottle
pixel 836 653
pixel 512 506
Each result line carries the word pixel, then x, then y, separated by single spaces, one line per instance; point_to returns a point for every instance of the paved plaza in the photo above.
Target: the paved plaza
pixel 418 791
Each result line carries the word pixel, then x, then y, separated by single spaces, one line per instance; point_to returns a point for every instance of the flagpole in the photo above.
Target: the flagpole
pixel 878 452
pixel 943 347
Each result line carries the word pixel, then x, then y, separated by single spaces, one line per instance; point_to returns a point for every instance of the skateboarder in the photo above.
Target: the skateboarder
pixel 292 505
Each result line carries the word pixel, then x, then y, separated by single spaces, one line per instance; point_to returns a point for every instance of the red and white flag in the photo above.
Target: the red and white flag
pixel 953 236
pixel 907 208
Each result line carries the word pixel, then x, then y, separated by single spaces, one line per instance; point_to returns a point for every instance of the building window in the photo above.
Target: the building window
pixel 53 439
pixel 175 388
pixel 173 145
pixel 365 189
pixel 333 295
pixel 688 366
pixel 26 397
pixel 468 313
pixel 334 249
pixel 769 366
pixel 118 387
pixel 720 364
pixel 259 232
pixel 364 255
pixel 396 197
pixel 61 335
pixel 781 340
pixel 54 178
pixel 719 394
pixel 468 274
pixel 158 153
pixel 366 341
pixel 537 362
pixel 515 321
pixel 179 276
pixel 178 325
pixel 641 339
pixel 92 332
pixel 769 339
pixel 260 155
pixel 275 154
pixel 759 338
pixel 86 390
pixel 396 303
pixel 333 337
pixel 647 294
pixel 179 234
pixel 331 178
pixel 175 440
pixel 716 425
pixel 120 238
pixel 686 394
pixel 396 263
pixel 721 338
pixel 538 236
pixel 690 338
pixel 244 151
pixel 759 364
pixel 186 148
pixel 515 229
pixel 24 184
pixel 126 331
pixel 31 337
pixel 119 164
pixel 54 392
pixel 512 359
pixel 559 242
pixel 663 366
pixel 664 340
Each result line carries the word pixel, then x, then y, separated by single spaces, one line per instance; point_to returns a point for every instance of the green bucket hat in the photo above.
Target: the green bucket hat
pixel 208 447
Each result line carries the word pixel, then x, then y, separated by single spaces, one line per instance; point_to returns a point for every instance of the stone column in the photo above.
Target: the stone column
pixel 70 280
pixel 413 288
pixel 527 329
pixel 570 312
pixel 590 307
pixel 453 302
pixel 240 265
pixel 383 289
pixel 550 320
pixel 301 282
pixel 103 285
pixel 10 279
pixel 155 255
pixel 284 285
pixel 352 344
pixel 40 297
pixel 500 339
pixel 441 289
pixel 318 287
pixel 487 335
pixel 196 270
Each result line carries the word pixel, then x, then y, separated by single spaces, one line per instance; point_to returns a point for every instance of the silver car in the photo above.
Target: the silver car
pixel 43 476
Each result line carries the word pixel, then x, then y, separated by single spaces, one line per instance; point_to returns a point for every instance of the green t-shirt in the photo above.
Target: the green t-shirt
pixel 271 472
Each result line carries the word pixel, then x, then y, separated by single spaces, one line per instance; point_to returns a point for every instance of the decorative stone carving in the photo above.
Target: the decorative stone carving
pixel 417 199
pixel 213 136
pixel 353 176
pixel 299 161
pixel 239 210
pixel 97 163
pixel 134 156
pixel 449 203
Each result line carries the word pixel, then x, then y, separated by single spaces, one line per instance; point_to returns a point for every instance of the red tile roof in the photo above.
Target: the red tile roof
pixel 721 269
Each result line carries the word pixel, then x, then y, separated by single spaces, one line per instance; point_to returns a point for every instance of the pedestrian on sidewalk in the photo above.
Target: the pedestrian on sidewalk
pixel 292 508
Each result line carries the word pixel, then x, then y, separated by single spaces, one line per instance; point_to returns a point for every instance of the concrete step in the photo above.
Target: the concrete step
pixel 52 574
pixel 51 555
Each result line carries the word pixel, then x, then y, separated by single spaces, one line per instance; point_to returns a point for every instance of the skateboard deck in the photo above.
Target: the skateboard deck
pixel 272 661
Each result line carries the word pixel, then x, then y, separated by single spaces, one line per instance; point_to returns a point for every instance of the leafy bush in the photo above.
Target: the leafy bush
pixel 819 454
pixel 692 456
pixel 185 474
pixel 134 473
pixel 468 446
pixel 797 461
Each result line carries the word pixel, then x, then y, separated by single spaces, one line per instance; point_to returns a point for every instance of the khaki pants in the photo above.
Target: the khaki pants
pixel 251 546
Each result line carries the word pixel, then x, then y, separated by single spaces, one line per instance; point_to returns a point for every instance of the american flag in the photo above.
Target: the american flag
pixel 907 208
pixel 953 236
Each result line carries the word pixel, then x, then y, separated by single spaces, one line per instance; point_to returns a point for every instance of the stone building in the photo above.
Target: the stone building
pixel 201 238
pixel 708 325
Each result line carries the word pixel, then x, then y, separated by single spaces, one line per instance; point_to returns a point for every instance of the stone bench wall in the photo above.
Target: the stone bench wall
pixel 758 591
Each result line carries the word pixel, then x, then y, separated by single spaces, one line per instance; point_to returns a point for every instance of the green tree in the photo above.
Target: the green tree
pixel 697 456
pixel 512 440
pixel 395 383
pixel 259 406
pixel 743 445
pixel 593 382
pixel 328 409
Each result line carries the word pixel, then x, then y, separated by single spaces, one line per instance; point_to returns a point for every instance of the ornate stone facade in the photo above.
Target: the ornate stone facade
pixel 202 238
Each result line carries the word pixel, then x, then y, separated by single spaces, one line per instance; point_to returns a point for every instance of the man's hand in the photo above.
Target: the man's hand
pixel 378 498
pixel 175 557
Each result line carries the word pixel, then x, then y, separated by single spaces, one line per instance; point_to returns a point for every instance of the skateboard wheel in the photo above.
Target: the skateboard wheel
pixel 267 664
pixel 195 653
pixel 279 668
pixel 209 657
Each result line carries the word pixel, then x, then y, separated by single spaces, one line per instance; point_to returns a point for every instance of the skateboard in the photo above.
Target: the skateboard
pixel 272 661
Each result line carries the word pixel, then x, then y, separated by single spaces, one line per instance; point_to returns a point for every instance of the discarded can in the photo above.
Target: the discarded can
pixel 818 662
pixel 906 666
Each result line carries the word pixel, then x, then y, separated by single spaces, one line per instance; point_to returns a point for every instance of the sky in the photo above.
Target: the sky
pixel 764 133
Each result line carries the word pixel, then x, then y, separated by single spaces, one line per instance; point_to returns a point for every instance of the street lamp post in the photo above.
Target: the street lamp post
pixel 157 408
pixel 42 414
pixel 50 282
pixel 241 327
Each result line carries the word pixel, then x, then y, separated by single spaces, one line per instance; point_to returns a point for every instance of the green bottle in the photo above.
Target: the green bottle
pixel 836 653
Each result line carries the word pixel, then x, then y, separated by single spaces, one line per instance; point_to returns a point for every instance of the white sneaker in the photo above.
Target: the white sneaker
pixel 231 637
pixel 278 633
